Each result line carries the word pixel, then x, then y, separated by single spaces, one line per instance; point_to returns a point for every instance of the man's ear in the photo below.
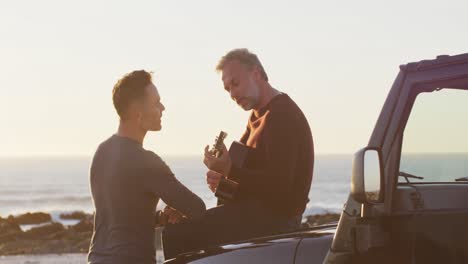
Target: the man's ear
pixel 139 116
pixel 256 73
pixel 139 112
pixel 134 111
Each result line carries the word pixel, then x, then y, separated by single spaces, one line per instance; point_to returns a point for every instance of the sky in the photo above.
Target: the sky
pixel 337 59
pixel 437 123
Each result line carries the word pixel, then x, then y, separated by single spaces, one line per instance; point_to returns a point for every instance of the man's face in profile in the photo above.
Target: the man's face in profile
pixel 151 109
pixel 240 82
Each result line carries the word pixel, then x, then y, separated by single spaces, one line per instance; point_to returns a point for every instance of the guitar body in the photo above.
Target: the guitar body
pixel 227 188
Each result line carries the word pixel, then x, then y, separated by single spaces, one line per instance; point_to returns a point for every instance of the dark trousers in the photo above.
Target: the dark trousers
pixel 223 224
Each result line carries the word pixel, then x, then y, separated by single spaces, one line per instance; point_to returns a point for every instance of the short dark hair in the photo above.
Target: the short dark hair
pixel 245 57
pixel 129 88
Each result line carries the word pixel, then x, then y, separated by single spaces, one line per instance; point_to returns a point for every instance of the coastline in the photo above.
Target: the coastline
pixel 37 234
pixel 70 258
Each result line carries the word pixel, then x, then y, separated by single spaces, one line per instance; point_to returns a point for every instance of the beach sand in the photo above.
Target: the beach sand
pixel 54 259
pixel 44 259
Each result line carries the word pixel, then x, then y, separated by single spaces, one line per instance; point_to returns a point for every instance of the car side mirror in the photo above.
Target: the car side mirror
pixel 367 182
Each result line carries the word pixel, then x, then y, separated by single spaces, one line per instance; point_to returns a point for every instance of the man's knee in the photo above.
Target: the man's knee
pixel 171 241
pixel 178 238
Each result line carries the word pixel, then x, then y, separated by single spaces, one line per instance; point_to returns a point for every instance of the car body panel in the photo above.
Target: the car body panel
pixel 279 248
pixel 312 250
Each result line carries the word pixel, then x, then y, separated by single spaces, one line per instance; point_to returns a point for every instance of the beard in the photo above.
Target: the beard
pixel 247 103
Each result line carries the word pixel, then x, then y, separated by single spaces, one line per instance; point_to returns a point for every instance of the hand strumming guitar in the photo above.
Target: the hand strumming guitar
pixel 221 164
pixel 212 179
pixel 218 160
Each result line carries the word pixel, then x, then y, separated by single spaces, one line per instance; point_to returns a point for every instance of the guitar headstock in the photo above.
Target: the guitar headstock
pixel 216 150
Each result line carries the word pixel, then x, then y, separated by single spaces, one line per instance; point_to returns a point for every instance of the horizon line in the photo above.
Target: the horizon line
pixel 90 156
pixel 190 155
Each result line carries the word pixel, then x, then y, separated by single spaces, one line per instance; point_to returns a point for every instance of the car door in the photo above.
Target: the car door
pixel 425 151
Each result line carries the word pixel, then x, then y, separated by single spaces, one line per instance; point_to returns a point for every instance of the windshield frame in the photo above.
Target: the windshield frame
pixel 457 84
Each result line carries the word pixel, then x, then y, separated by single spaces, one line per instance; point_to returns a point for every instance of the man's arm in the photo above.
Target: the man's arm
pixel 277 177
pixel 160 181
pixel 168 216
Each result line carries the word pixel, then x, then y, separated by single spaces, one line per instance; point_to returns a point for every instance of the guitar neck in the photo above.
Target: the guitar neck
pixel 218 145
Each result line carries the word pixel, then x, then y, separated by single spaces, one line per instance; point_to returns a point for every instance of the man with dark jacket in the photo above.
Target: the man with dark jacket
pixel 273 184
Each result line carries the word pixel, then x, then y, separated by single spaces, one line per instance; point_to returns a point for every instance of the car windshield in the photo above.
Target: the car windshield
pixel 435 140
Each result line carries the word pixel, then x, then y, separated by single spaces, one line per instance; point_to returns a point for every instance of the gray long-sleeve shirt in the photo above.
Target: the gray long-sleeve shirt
pixel 127 182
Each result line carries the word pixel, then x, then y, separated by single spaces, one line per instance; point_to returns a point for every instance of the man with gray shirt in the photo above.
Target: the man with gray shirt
pixel 127 181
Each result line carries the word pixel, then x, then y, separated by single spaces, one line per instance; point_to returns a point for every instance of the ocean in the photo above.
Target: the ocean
pixel 57 185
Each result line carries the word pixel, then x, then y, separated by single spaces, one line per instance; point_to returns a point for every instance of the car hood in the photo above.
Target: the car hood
pixel 278 248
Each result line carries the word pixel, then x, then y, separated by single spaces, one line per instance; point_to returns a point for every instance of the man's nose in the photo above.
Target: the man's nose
pixel 234 94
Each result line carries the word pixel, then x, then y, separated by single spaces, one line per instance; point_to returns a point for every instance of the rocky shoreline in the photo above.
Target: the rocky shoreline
pixel 49 237
pixel 46 236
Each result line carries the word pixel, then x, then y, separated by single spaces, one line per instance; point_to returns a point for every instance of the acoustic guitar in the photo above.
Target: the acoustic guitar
pixel 238 152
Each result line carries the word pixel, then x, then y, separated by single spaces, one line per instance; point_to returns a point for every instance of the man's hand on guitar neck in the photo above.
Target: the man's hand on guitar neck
pixel 221 164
